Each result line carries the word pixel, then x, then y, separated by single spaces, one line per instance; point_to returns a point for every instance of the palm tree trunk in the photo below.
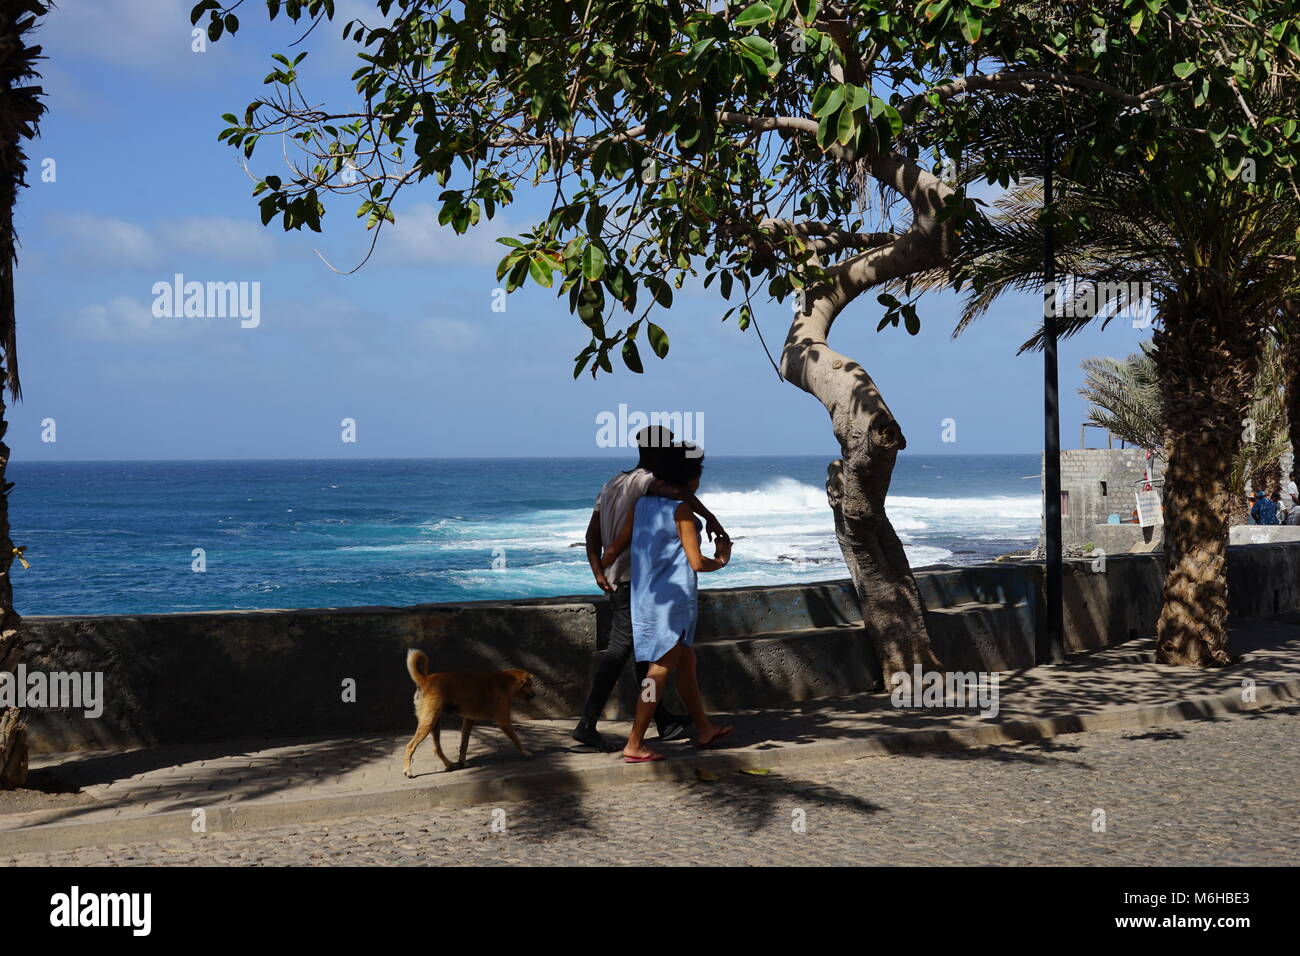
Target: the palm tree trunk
pixel 1291 384
pixel 21 107
pixel 13 730
pixel 1207 359
pixel 1267 479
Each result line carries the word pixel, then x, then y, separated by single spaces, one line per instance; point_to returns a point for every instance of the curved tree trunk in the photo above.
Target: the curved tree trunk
pixel 1207 360
pixel 856 486
pixel 869 435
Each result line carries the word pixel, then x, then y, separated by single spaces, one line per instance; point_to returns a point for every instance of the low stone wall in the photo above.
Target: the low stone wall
pixel 259 674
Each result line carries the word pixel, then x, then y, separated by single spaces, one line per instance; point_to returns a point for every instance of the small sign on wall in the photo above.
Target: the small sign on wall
pixel 1149 510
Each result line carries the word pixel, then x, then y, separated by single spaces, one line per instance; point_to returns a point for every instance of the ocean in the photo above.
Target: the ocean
pixel 120 537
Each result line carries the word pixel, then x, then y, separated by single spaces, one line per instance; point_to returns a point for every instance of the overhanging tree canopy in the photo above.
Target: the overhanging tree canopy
pixel 742 145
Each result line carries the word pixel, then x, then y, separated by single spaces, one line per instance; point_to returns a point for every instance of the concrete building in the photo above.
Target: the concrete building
pixel 1098 483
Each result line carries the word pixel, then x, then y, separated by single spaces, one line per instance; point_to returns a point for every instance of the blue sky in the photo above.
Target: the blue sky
pixel 408 347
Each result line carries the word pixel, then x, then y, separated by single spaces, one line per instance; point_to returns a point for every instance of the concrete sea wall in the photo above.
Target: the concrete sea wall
pixel 233 675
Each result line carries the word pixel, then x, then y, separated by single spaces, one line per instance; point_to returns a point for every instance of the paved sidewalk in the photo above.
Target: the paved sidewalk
pixel 169 792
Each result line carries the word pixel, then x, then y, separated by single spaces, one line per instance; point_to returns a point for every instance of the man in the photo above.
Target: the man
pixel 614 503
pixel 1264 511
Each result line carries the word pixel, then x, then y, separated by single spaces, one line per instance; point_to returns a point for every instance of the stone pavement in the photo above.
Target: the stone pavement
pixel 1222 792
pixel 172 792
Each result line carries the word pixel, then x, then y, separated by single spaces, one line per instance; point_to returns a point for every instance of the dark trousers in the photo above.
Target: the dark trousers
pixel 610 661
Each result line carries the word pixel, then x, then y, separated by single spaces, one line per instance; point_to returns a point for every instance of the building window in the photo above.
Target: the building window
pixel 1065 504
pixel 1103 489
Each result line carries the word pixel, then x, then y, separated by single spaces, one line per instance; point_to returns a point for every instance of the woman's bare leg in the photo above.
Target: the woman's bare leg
pixel 645 709
pixel 688 685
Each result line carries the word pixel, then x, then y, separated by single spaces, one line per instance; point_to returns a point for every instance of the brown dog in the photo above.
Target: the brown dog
pixel 475 697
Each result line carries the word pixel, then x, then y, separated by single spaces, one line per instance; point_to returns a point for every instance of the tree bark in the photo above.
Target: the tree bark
pixel 1267 479
pixel 1291 385
pixel 13 729
pixel 1207 359
pixel 869 435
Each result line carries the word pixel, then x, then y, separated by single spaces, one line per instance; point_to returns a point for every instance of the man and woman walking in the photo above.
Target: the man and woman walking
pixel 643 545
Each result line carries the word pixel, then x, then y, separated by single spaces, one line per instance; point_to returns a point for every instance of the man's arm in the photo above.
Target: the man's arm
pixel 593 552
pixel 712 527
pixel 617 546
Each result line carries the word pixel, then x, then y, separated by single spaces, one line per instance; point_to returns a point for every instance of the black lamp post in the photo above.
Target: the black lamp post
pixel 1048 641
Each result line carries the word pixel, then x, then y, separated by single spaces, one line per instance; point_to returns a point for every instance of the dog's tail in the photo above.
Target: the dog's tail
pixel 417 665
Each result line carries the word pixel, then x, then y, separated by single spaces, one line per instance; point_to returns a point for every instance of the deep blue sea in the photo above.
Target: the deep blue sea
pixel 118 537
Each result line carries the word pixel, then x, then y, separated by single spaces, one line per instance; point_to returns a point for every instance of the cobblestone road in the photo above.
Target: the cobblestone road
pixel 1225 791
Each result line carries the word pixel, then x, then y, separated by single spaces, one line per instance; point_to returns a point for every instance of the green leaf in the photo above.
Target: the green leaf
pixel 661 290
pixel 593 263
pixel 753 15
pixel 830 96
pixel 845 127
pixel 763 52
pixel 911 320
pixel 971 26
pixel 658 339
pixel 1184 69
pixel 540 272
pixel 631 357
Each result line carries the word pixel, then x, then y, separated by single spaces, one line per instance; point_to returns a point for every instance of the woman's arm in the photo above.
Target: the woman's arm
pixel 712 526
pixel 690 536
pixel 620 543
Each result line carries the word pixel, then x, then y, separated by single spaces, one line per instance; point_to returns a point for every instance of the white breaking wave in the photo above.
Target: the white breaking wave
pixel 783 531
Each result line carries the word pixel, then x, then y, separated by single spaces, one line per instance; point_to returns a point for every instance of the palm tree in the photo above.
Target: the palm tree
pixel 1287 333
pixel 1215 256
pixel 1126 400
pixel 20 112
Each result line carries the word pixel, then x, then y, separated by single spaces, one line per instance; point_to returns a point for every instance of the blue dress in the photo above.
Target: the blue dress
pixel 665 604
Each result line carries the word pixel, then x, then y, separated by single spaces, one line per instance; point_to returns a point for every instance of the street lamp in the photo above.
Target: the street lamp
pixel 1048 642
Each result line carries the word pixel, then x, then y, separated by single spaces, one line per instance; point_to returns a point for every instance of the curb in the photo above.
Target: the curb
pixel 176 824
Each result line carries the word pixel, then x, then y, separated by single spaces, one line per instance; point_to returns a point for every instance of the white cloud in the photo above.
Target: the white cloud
pixel 230 240
pixel 129 321
pixel 107 241
pixel 449 335
pixel 336 324
pixel 416 237
pixel 132 33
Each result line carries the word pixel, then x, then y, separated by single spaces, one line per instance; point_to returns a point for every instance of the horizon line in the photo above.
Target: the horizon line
pixel 14 460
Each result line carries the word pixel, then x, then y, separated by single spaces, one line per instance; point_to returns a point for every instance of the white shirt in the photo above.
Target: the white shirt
pixel 615 501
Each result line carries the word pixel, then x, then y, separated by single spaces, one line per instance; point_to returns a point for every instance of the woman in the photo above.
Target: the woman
pixel 665 539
